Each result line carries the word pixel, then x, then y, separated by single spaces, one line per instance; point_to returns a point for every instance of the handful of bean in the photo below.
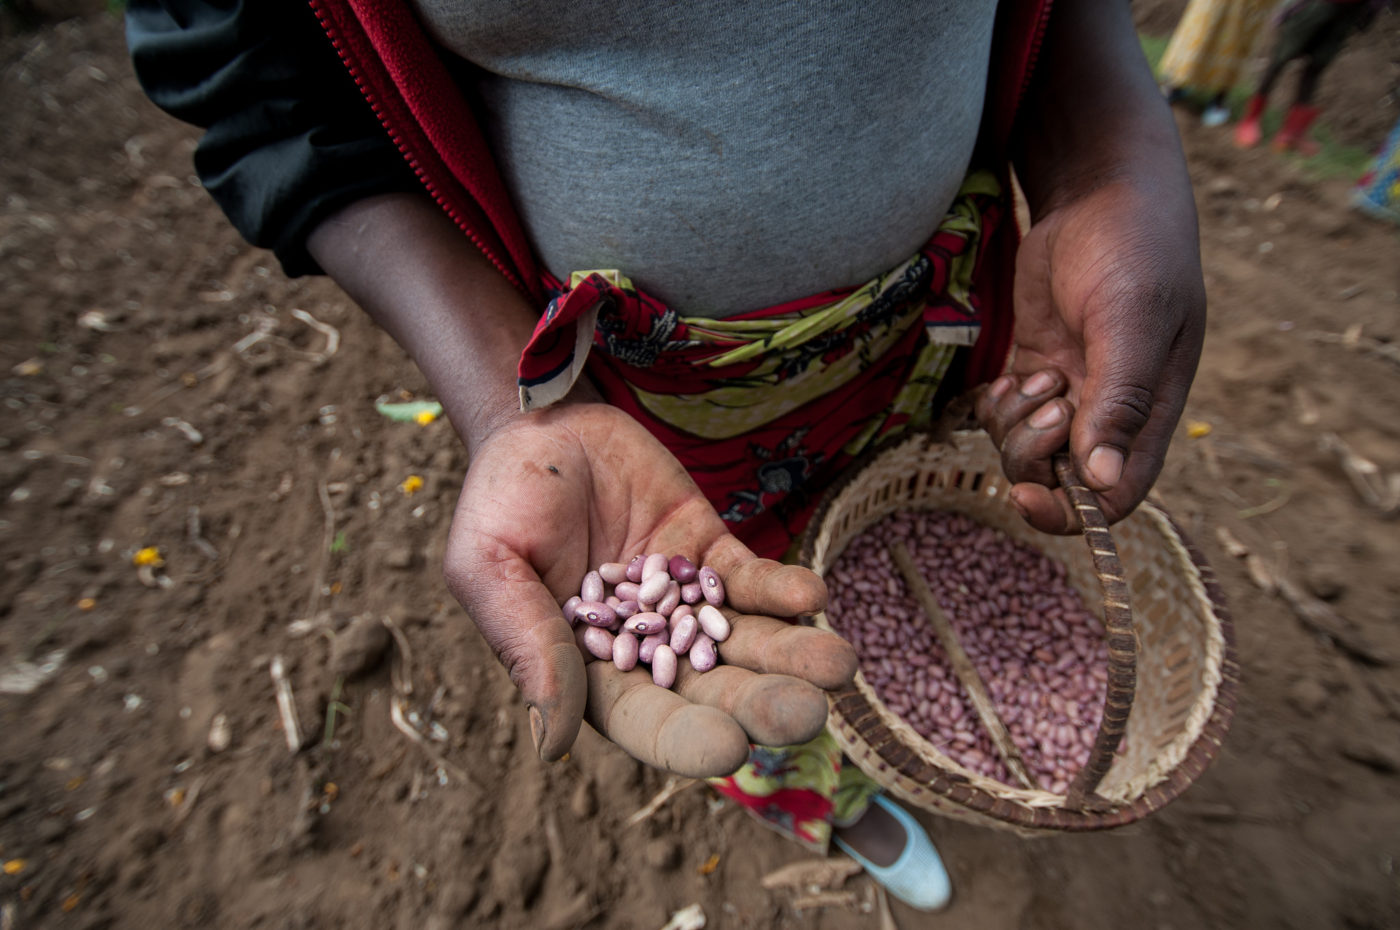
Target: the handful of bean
pixel 650 611
pixel 1037 649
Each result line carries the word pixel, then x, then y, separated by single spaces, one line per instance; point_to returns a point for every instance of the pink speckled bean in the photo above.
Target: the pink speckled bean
pixel 703 655
pixel 714 623
pixel 692 593
pixel 682 569
pixel 627 591
pixel 570 609
pixel 711 585
pixel 595 614
pixel 625 609
pixel 592 587
pixel 653 589
pixel 683 635
pixel 625 649
pixel 634 568
pixel 670 600
pixel 649 644
pixel 655 562
pixel 645 623
pixel 597 641
pixel 663 667
pixel 613 572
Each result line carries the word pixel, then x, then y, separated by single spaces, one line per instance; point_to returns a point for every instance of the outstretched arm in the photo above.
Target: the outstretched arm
pixel 1109 300
pixel 550 494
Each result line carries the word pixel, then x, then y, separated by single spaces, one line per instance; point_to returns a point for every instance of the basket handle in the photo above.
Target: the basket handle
pixel 1121 636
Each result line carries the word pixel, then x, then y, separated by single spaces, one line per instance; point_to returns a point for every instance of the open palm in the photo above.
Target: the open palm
pixel 553 494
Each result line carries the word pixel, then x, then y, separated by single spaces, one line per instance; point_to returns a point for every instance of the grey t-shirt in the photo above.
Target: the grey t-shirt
pixel 726 155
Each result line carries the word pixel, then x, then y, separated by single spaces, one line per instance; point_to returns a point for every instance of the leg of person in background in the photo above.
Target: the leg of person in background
pixel 1300 116
pixel 1216 112
pixel 1249 132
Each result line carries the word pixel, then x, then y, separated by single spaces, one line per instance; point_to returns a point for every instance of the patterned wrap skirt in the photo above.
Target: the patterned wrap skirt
pixel 1212 44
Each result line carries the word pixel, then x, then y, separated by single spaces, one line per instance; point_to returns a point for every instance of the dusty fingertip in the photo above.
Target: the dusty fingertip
pixel 704 743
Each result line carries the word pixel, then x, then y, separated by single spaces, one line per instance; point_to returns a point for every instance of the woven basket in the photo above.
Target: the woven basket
pixel 1172 666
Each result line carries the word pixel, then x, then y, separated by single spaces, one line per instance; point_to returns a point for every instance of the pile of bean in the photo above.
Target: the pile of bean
pixel 644 611
pixel 1039 651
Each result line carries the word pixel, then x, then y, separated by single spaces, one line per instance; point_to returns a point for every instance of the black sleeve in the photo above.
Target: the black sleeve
pixel 289 138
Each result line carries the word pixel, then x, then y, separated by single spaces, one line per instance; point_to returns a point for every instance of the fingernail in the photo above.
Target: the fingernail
pixel 1049 415
pixel 1020 507
pixel 536 729
pixel 1105 466
pixel 1038 383
pixel 1000 386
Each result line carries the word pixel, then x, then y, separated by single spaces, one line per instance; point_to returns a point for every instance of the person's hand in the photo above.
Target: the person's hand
pixel 1110 317
pixel 552 494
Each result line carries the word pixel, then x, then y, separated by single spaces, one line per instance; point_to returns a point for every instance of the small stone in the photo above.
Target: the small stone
pixel 400 557
pixel 220 733
pixel 1308 696
pixel 359 647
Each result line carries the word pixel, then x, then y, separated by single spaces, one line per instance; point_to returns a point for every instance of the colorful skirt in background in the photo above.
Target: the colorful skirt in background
pixel 1378 192
pixel 1213 42
pixel 765 410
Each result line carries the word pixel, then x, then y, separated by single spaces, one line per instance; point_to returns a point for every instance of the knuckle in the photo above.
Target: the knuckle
pixel 1126 407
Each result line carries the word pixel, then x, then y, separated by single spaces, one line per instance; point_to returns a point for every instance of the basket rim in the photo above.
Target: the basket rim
pixel 860 716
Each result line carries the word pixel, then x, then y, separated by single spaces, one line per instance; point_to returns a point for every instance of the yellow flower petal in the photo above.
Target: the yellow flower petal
pixel 425 417
pixel 148 556
pixel 87 603
pixel 15 866
pixel 411 485
pixel 1197 428
pixel 709 865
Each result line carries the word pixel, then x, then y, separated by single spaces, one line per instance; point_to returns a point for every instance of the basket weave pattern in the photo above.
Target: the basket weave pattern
pixel 1187 671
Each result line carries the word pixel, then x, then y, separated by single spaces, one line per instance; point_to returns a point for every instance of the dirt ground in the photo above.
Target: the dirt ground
pixel 164 385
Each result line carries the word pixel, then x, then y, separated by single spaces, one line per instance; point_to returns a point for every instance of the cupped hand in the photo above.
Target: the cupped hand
pixel 557 492
pixel 1110 317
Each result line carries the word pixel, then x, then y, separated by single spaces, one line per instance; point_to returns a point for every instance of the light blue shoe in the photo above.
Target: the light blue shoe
pixel 917 877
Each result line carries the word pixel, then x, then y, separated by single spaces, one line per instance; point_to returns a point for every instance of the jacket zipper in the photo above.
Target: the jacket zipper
pixel 333 33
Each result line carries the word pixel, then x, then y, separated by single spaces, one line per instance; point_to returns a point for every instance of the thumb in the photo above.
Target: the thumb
pixel 1120 395
pixel 525 628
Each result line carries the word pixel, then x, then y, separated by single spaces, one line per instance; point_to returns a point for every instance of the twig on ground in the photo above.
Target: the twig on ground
pixel 330 332
pixel 401 674
pixel 286 705
pixel 188 805
pixel 1352 339
pixel 183 426
pixel 400 720
pixel 333 707
pixel 318 581
pixel 674 786
pixel 401 669
pixel 825 899
pixel 193 529
pixel 261 331
pixel 1380 492
pixel 886 916
pixel 812 874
